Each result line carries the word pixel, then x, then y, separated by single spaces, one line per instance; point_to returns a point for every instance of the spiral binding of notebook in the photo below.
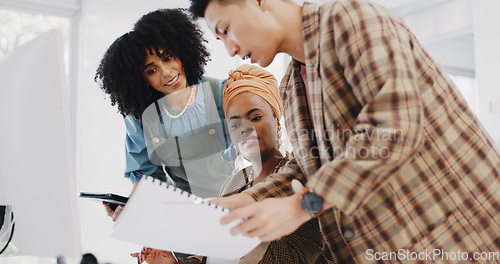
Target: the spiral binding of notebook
pixel 197 199
pixel 187 223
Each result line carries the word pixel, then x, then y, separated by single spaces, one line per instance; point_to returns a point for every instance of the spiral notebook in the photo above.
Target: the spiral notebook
pixel 160 216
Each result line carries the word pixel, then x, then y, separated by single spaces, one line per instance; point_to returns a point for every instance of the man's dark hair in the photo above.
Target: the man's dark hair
pixel 198 7
pixel 120 73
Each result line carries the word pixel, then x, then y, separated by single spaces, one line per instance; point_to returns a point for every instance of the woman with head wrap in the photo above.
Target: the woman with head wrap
pixel 252 107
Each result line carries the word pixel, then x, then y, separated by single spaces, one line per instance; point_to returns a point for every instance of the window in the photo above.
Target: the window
pixel 18 28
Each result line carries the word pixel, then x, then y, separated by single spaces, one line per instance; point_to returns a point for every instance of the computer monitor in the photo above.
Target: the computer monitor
pixel 37 176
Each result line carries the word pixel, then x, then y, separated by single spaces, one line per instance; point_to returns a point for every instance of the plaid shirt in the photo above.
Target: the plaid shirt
pixel 305 245
pixel 387 139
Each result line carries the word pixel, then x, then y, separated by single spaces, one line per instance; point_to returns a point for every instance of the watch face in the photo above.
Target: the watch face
pixel 312 203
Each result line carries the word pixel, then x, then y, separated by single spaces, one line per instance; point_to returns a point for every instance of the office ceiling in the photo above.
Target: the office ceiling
pixel 403 7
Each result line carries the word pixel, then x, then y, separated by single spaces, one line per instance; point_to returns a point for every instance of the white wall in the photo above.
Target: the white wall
pixel 58 2
pixel 100 130
pixel 445 30
pixel 487 54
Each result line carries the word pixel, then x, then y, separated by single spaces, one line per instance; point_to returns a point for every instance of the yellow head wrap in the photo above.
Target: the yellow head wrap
pixel 253 79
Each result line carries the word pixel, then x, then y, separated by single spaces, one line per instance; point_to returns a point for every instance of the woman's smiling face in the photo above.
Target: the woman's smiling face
pixel 164 73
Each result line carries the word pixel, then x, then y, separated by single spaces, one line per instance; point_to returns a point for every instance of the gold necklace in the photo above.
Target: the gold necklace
pixel 280 164
pixel 183 110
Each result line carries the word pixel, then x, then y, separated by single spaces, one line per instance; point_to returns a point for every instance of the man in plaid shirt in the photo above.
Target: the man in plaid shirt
pixel 378 131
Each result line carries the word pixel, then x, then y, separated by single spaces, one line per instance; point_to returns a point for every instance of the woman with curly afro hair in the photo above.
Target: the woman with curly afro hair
pixel 172 113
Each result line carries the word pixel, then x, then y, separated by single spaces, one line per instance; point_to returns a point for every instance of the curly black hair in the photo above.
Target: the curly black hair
pixel 120 73
pixel 197 8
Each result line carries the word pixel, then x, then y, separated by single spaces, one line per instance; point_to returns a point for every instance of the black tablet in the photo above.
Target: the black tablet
pixel 112 199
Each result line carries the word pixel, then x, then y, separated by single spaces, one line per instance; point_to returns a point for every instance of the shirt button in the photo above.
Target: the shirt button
pixel 156 140
pixel 348 234
pixel 211 131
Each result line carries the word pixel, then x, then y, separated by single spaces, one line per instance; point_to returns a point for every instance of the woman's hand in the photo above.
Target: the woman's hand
pixel 155 256
pixel 113 214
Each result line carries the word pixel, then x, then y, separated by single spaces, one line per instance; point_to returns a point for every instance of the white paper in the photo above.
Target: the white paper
pixel 159 216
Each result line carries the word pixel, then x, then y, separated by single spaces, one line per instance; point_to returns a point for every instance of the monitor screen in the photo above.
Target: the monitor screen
pixel 37 176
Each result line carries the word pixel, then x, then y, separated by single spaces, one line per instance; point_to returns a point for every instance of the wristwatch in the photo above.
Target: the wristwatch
pixel 311 202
